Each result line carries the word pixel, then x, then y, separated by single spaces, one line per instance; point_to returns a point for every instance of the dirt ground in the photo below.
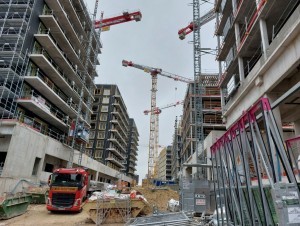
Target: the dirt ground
pixel 37 215
pixel 158 198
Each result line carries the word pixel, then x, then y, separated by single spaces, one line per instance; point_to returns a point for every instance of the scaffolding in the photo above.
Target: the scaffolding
pixel 255 183
pixel 15 17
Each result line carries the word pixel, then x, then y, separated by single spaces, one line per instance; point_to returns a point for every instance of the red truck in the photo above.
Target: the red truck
pixel 68 189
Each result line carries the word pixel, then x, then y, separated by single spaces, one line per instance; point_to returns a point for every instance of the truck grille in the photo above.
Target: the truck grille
pixel 62 199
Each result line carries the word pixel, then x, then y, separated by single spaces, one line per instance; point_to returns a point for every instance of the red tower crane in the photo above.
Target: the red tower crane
pixel 154 119
pixel 124 17
pixel 210 15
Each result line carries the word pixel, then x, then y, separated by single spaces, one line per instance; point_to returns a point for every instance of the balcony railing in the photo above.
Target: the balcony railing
pixel 32 95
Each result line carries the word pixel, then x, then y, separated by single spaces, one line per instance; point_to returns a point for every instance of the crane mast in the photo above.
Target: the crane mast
pixel 154 117
pixel 198 85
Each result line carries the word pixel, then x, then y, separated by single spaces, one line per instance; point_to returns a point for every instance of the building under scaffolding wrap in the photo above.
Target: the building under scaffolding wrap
pixel 211 115
pixel 255 180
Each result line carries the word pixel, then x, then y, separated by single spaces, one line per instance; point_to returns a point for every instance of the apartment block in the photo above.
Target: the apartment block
pixel 48 52
pixel 132 148
pixel 164 164
pixel 259 51
pixel 113 136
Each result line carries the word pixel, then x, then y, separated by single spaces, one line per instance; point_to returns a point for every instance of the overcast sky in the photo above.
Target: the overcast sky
pixel 152 42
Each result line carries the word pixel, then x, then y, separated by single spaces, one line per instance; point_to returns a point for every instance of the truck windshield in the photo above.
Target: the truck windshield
pixel 64 179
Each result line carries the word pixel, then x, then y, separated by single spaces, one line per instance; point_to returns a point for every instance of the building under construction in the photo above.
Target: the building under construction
pixel 48 54
pixel 211 115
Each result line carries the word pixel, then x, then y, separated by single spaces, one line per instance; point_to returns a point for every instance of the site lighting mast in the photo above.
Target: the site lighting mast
pixel 154 128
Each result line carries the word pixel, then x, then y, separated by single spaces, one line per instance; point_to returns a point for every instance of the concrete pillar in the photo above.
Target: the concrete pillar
pixel 264 36
pixel 240 59
pixel 297 127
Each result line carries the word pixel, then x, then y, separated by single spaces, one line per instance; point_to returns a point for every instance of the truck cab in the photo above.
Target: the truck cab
pixel 68 189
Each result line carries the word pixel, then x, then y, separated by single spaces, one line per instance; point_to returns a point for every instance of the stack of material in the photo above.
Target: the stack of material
pixel 112 207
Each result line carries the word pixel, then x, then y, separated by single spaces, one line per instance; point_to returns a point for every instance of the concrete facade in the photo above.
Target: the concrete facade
pixel 261 60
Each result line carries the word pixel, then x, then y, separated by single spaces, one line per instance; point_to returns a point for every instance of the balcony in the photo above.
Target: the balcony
pixel 47 88
pixel 35 103
pixel 68 27
pixel 116 133
pixel 116 142
pixel 57 76
pixel 116 152
pixel 115 161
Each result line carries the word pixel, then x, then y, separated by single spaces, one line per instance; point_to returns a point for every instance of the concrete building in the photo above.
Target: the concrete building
pixel 113 136
pixel 176 150
pixel 212 120
pixel 46 83
pixel 132 148
pixel 164 164
pixel 259 44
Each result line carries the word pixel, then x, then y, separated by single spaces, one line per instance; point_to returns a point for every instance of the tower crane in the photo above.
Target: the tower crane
pixel 154 128
pixel 210 15
pixel 124 17
pixel 157 110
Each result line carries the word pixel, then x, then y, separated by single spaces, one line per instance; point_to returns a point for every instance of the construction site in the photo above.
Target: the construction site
pixel 71 145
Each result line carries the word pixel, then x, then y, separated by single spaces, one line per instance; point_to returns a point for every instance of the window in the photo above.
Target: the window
pixel 49 167
pixel 36 166
pixel 92 135
pixel 100 143
pixel 102 125
pixel 90 144
pixel 101 135
pixel 105 100
pixel 97 91
pixel 93 117
pixel 98 154
pixel 96 100
pixel 106 92
pixel 93 125
pixel 104 108
pixel 103 117
pixel 95 108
